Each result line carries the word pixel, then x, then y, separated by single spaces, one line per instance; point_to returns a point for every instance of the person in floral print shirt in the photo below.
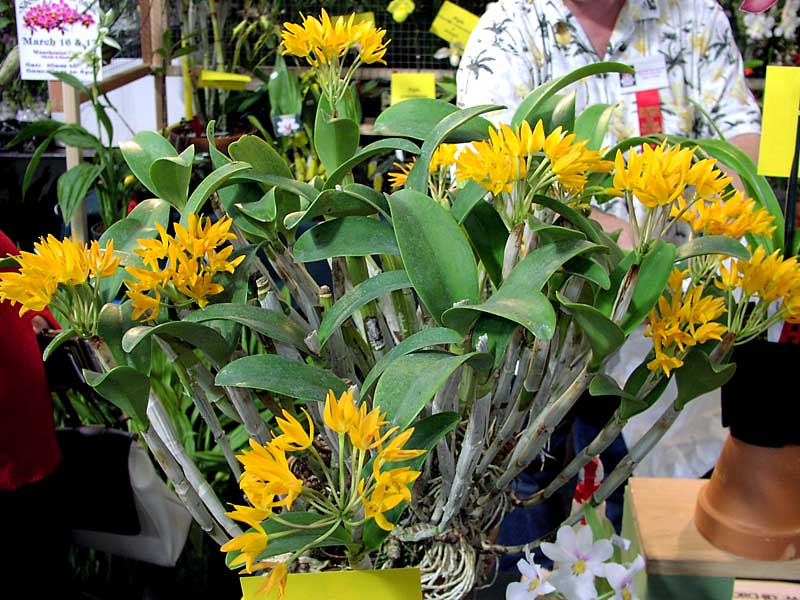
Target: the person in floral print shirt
pixel 519 44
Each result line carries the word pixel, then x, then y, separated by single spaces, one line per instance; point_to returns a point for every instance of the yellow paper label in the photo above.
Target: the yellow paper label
pixel 779 121
pixel 412 85
pixel 385 584
pixel 222 80
pixel 362 17
pixel 453 23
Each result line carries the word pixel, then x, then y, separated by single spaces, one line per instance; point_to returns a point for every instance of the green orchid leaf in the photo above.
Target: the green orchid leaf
pixel 605 385
pixel 271 323
pixel 537 98
pixel 519 299
pixel 196 335
pixel 364 292
pixel 418 341
pixel 304 190
pixel 126 388
pixel 33 164
pixel 712 244
pixel 592 124
pixel 488 235
pixel 215 180
pixel 652 279
pixel 142 151
pixel 556 111
pixel 603 334
pixel 604 302
pixel 78 137
pixel 57 341
pixel 261 155
pixel 71 81
pixel 416 118
pixel 637 399
pixel 264 210
pixel 410 382
pixel 698 376
pixel 115 320
pixel 369 151
pixel 171 177
pixel 335 139
pixel 73 186
pixel 281 376
pixel 589 270
pixel 466 199
pixel 331 203
pixel 435 252
pixel 418 177
pixel 348 236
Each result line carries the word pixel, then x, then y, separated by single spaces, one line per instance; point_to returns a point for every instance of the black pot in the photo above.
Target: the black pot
pixel 760 403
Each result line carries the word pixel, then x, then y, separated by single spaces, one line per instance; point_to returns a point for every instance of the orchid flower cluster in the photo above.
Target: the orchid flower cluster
pixel 55 16
pixel 179 271
pixel 342 503
pixel 587 566
pixel 325 42
pixel 65 275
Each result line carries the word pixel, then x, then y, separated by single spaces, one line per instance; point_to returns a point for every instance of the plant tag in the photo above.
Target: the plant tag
pixel 286 125
pixel 779 122
pixel 453 23
pixel 412 85
pixel 222 80
pixel 648 108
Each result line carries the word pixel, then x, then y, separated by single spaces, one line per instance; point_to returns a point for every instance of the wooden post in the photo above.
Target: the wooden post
pixel 72 115
pixel 157 27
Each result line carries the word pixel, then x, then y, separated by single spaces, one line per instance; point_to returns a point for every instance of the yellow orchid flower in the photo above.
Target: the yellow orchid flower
pixel 338 415
pixel 294 437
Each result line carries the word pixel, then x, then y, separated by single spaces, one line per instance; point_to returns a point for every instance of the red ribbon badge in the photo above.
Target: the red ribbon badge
pixel 648 107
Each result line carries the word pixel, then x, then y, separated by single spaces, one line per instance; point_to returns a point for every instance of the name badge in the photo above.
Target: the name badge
pixel 650 74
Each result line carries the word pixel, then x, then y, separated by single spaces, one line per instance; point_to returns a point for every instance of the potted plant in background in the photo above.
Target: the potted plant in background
pixel 439 290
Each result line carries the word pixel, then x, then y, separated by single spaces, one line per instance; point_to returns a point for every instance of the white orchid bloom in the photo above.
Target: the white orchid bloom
pixel 620 578
pixel 579 559
pixel 533 582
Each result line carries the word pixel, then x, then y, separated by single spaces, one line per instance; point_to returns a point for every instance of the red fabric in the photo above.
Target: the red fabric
pixel 28 448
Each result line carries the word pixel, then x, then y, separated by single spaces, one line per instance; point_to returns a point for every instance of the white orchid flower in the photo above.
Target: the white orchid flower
pixel 533 582
pixel 620 578
pixel 579 559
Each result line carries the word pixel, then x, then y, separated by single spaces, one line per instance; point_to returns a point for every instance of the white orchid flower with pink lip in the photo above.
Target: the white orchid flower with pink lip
pixel 578 559
pixel 620 578
pixel 533 582
pixel 756 6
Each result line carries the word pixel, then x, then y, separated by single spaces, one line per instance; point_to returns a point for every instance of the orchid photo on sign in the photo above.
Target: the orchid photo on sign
pixel 52 35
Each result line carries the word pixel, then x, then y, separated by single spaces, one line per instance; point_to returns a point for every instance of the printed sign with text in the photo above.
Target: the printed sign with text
pixel 453 23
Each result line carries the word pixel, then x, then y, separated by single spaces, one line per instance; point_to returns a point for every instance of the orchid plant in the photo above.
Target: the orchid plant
pixel 474 304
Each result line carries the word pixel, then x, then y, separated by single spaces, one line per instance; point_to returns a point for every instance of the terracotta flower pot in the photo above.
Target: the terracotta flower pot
pixel 751 506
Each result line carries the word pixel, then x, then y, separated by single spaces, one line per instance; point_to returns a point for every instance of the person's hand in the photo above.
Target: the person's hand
pixel 610 224
pixel 39 324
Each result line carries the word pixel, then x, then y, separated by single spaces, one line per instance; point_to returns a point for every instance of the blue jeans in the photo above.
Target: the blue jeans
pixel 526 524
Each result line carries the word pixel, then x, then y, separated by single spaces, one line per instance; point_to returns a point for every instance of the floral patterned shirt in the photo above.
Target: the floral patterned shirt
pixel 519 44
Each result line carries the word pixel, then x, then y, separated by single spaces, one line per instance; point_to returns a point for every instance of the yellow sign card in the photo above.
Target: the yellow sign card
pixel 779 122
pixel 412 85
pixel 385 584
pixel 453 23
pixel 222 80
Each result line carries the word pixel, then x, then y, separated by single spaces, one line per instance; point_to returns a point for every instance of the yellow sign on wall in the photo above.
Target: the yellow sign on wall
pixel 779 123
pixel 412 85
pixel 453 23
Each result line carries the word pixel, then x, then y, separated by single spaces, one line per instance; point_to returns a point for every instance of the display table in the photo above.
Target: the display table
pixel 680 563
